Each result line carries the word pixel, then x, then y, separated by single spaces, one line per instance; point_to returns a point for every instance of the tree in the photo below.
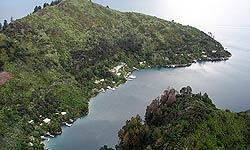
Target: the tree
pixel 189 90
pixel 171 97
pixel 5 24
pixel 55 2
pixel 11 19
pixel 105 147
pixel 36 9
pixel 186 90
pixel 1 65
pixel 1 26
pixel 45 5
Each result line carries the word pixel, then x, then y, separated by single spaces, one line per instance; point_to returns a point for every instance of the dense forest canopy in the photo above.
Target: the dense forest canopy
pixel 191 122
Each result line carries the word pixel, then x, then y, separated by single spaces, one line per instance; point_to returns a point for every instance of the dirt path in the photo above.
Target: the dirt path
pixel 4 77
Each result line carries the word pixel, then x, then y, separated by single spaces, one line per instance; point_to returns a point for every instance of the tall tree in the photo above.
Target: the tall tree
pixel 45 5
pixel 11 19
pixel 5 24
pixel 37 8
pixel 1 26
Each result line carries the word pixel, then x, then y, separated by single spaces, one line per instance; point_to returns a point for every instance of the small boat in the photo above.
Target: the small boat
pixel 102 90
pixel 68 124
pixel 132 77
pixel 135 68
pixel 52 136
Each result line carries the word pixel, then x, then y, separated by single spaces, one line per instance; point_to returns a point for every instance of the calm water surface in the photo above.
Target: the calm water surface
pixel 227 83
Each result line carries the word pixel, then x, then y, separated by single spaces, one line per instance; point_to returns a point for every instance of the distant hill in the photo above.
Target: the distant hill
pixel 192 122
pixel 54 56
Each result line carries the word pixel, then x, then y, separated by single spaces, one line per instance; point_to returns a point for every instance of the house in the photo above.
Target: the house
pixel 117 68
pixel 47 120
pixel 142 62
pixel 205 56
pixel 99 81
pixel 63 113
pixel 31 122
pixel 31 138
pixel 166 58
pixel 30 144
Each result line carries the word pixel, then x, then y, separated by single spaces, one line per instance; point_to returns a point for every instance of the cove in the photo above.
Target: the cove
pixel 227 83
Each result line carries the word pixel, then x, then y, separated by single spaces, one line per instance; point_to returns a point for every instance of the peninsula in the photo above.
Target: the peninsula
pixel 183 120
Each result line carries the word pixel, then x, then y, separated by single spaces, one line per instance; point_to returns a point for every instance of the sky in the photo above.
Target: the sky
pixel 197 13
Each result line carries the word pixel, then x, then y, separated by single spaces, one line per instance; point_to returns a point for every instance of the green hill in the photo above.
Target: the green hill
pixel 53 57
pixel 192 122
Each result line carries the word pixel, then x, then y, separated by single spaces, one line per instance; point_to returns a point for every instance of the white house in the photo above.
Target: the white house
pixel 63 113
pixel 46 120
pixel 31 122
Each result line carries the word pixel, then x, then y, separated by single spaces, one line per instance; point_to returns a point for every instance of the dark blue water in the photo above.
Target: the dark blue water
pixel 227 83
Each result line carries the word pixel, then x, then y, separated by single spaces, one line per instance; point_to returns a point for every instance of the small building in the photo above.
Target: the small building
pixel 97 82
pixel 71 120
pixel 166 58
pixel 31 122
pixel 95 90
pixel 31 138
pixel 30 144
pixel 117 68
pixel 63 113
pixel 47 120
pixel 43 137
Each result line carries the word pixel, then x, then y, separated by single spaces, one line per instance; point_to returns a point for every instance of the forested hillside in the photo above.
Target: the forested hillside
pixel 190 122
pixel 51 59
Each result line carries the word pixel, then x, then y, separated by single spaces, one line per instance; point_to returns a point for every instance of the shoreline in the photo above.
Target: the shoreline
pixel 133 69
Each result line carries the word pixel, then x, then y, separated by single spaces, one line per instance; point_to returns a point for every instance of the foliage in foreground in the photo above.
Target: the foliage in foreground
pixel 192 122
